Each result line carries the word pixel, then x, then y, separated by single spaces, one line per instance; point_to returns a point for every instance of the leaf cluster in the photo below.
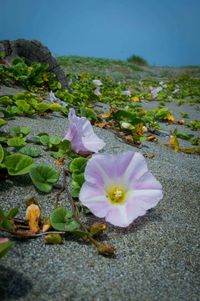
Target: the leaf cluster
pixel 31 76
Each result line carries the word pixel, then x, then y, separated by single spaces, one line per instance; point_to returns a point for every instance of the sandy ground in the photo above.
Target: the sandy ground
pixel 157 257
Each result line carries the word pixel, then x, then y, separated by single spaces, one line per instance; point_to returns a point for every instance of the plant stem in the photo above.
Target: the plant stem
pixel 76 215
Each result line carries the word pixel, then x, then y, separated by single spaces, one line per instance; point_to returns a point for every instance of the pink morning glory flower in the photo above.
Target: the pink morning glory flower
pixel 127 93
pixel 54 99
pixel 154 92
pixel 97 92
pixel 119 187
pixel 97 82
pixel 175 91
pixel 81 135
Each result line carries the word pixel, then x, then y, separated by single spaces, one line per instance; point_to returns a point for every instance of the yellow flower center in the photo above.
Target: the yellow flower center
pixel 116 195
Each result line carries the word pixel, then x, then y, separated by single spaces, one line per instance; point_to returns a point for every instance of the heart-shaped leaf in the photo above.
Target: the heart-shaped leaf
pixel 18 164
pixel 43 177
pixel 62 220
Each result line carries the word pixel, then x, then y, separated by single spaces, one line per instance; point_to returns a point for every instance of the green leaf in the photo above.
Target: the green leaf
pixel 184 135
pixel 3 139
pixel 16 142
pixel 5 100
pixel 16 130
pixel 61 219
pixel 25 130
pixel 23 105
pixel 78 165
pixel 6 221
pixel 131 117
pixel 161 114
pixel 20 131
pixel 65 145
pixel 1 153
pixel 55 140
pixel 32 151
pixel 88 113
pixel 43 177
pixel 2 122
pixel 1 216
pixel 18 164
pixel 79 178
pixel 42 107
pixel 5 247
pixel 72 226
pixel 44 139
pixel 195 141
pixel 75 189
pixel 11 213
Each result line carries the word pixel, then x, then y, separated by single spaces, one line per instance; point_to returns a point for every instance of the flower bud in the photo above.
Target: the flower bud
pixel 126 125
pixel 53 239
pixel 97 228
pixel 105 249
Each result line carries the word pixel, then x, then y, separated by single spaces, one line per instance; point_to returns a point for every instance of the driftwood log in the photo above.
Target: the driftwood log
pixel 33 51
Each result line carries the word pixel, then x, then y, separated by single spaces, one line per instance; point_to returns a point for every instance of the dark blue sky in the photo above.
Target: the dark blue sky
pixel 165 32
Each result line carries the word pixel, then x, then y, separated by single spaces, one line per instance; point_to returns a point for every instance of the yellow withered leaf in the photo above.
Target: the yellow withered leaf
pixel 170 118
pixel 135 99
pixel 106 115
pixel 46 225
pixel 151 138
pixel 59 162
pixel 173 142
pixel 100 124
pixel 33 216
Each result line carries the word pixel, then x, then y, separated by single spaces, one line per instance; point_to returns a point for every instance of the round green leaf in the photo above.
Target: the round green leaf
pixel 61 219
pixel 33 151
pixel 43 177
pixel 18 164
pixel 55 140
pixel 16 142
pixel 44 139
pixel 25 130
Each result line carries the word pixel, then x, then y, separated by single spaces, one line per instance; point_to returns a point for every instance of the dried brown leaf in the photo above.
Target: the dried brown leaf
pixel 33 216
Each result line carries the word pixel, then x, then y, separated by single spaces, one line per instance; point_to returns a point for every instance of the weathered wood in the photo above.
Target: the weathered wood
pixel 33 51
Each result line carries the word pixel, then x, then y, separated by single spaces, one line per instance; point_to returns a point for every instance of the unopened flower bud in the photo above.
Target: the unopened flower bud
pixel 97 228
pixel 126 125
pixel 105 249
pixel 53 239
pixel 144 128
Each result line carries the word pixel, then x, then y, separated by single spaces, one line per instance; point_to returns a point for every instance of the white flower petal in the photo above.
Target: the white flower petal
pixel 99 169
pixel 118 216
pixel 137 168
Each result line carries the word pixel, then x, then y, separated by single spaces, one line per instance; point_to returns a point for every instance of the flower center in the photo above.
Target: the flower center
pixel 116 195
